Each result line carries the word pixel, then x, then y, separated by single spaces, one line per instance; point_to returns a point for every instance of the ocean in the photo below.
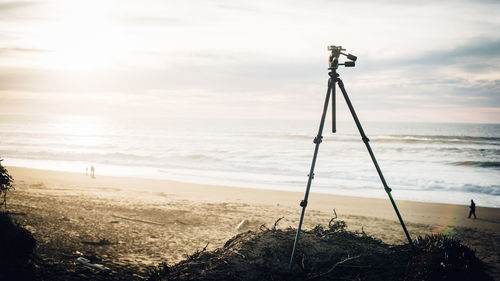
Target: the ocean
pixel 428 162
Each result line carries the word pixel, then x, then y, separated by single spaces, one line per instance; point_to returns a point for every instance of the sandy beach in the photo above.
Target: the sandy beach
pixel 128 224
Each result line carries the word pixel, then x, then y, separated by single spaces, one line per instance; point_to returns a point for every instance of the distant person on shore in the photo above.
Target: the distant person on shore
pixel 86 171
pixel 92 171
pixel 472 209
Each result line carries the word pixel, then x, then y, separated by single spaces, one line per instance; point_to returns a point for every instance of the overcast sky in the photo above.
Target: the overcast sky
pixel 417 60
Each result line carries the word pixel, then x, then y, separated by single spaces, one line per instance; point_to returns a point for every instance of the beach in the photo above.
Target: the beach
pixel 290 97
pixel 130 224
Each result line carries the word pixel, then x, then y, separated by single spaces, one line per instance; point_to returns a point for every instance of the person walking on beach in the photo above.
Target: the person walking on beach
pixel 472 209
pixel 92 171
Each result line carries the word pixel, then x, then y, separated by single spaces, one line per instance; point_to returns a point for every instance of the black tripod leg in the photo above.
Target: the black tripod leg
pixel 366 140
pixel 334 113
pixel 317 141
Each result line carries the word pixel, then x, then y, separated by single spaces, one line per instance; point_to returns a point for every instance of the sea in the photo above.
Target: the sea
pixel 427 162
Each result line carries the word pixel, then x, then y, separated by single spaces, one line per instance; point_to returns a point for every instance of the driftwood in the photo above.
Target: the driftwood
pixel 333 267
pixel 137 220
pixel 102 242
pixel 276 222
pixel 94 266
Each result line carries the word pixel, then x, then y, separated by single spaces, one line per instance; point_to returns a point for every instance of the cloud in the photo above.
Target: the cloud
pixel 23 50
pixel 153 20
pixel 18 10
pixel 482 49
pixel 479 51
pixel 12 5
pixel 402 3
pixel 474 66
pixel 239 51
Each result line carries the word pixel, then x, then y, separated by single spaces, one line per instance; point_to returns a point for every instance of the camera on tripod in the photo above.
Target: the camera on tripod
pixel 333 61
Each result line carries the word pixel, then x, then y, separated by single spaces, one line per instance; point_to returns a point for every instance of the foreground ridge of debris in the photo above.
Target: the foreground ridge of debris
pixel 326 253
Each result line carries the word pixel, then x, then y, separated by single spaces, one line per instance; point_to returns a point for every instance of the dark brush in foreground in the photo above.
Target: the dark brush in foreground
pixel 16 251
pixel 327 254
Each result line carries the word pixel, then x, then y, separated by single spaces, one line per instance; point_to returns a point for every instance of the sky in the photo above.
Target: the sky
pixel 418 61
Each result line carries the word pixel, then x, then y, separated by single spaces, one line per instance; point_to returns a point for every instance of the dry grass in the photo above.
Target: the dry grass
pixel 331 253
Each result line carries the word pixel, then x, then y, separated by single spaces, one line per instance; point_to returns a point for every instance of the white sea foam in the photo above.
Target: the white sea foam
pixel 449 163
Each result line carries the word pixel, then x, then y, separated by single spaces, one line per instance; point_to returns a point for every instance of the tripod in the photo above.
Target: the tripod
pixel 334 79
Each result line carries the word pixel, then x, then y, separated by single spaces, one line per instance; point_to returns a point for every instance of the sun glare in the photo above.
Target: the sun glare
pixel 76 125
pixel 81 36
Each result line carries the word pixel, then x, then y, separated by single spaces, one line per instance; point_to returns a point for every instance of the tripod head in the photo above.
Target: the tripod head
pixel 333 61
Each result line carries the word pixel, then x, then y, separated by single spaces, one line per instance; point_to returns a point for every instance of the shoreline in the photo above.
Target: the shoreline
pixel 252 195
pixel 147 221
pixel 379 194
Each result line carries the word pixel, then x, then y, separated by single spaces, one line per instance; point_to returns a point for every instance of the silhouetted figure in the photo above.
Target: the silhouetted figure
pixel 86 171
pixel 92 171
pixel 472 209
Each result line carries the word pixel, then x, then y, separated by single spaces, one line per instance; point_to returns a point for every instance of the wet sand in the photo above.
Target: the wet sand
pixel 128 224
